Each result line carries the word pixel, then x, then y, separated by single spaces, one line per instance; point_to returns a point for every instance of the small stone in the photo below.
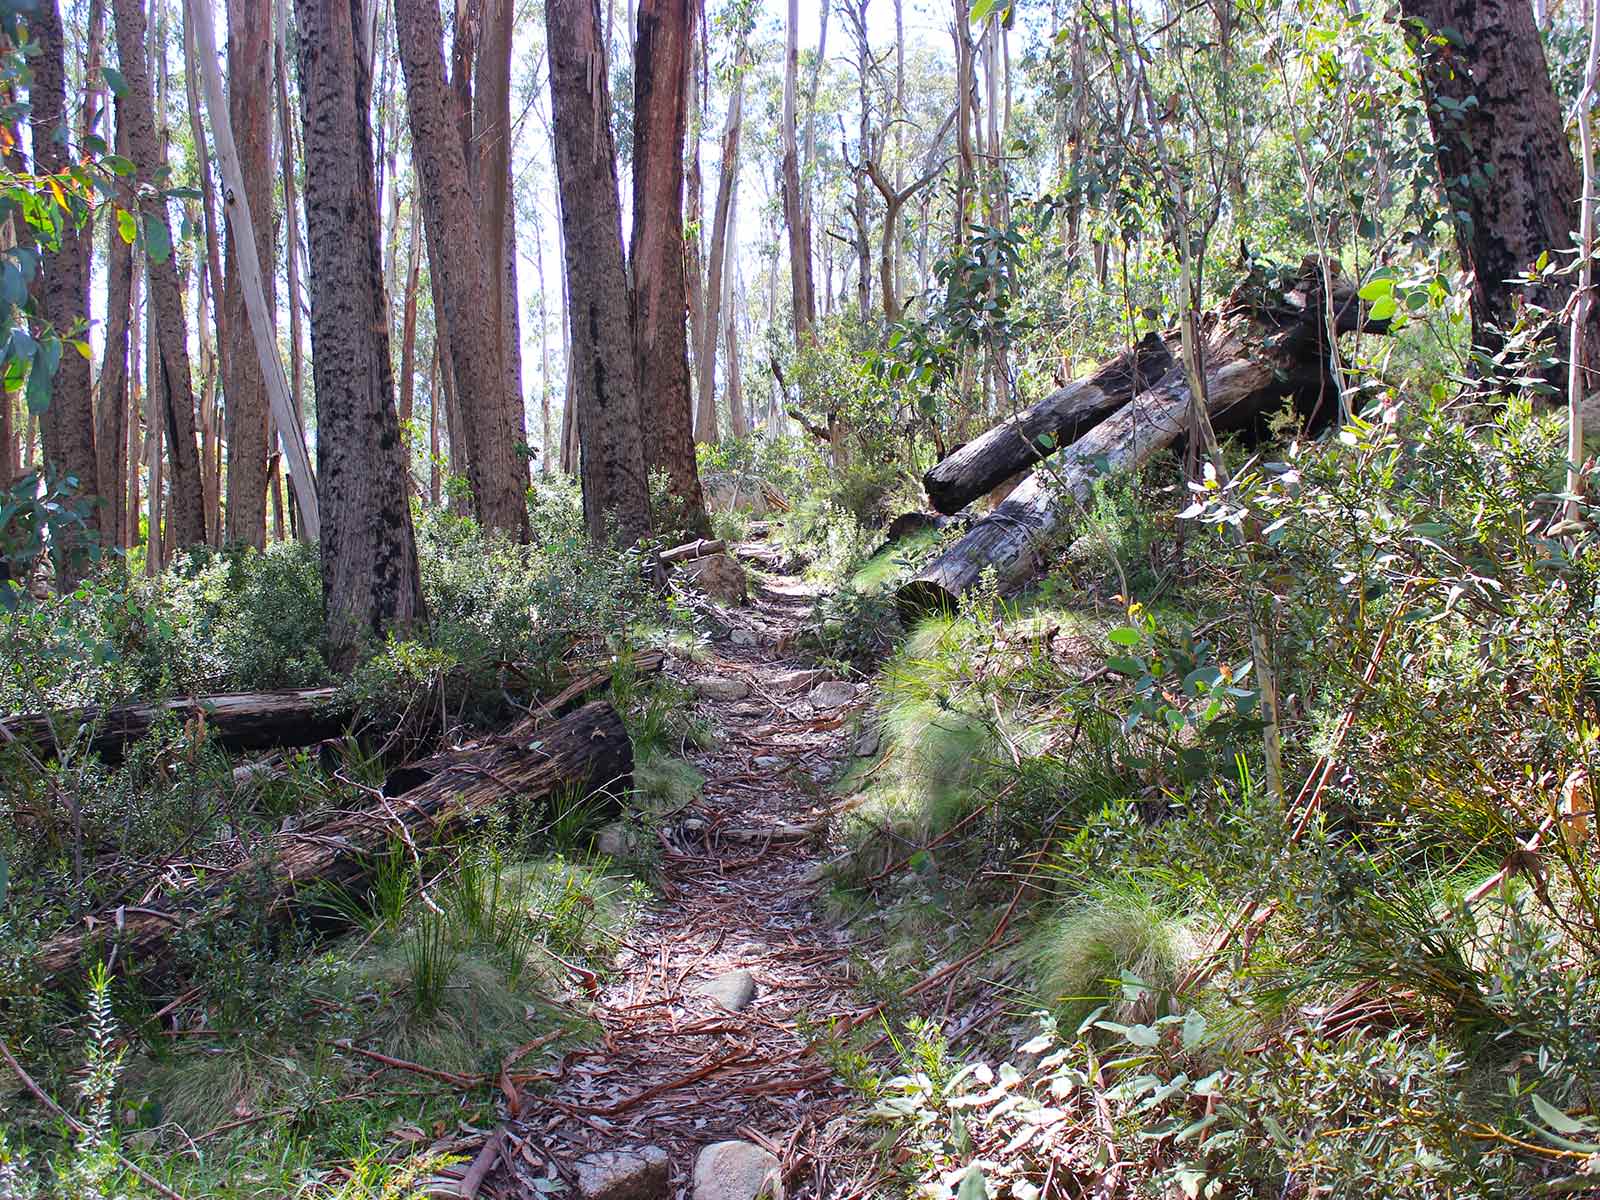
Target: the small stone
pixel 736 1171
pixel 768 762
pixel 733 991
pixel 745 637
pixel 795 681
pixel 868 741
pixel 615 841
pixel 719 687
pixel 835 693
pixel 623 1174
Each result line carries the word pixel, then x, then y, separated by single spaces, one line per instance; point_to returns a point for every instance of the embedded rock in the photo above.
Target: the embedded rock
pixel 623 1174
pixel 733 991
pixel 736 1171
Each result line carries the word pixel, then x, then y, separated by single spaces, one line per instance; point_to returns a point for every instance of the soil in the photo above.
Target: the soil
pixel 737 889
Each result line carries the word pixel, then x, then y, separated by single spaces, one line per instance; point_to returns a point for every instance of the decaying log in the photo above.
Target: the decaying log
pixel 691 550
pixel 1056 421
pixel 588 750
pixel 235 720
pixel 1256 352
pixel 244 721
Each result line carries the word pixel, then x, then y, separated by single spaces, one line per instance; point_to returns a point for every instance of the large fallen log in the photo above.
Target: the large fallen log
pixel 1256 352
pixel 588 751
pixel 1056 421
pixel 243 721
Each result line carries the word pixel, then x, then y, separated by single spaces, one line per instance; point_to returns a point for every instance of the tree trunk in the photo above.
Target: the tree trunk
pixel 660 334
pixel 694 258
pixel 291 245
pixel 1056 421
pixel 67 425
pixel 1254 355
pixel 175 400
pixel 706 422
pixel 1504 158
pixel 370 580
pixel 491 100
pixel 589 751
pixel 547 451
pixel 408 323
pixel 252 281
pixel 456 244
pixel 250 97
pixel 615 485
pixel 794 209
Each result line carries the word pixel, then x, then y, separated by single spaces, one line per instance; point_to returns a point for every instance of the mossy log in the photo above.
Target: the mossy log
pixel 588 751
pixel 1058 420
pixel 245 721
pixel 1257 351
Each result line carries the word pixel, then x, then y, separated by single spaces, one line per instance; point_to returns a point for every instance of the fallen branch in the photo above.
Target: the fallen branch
pixel 588 750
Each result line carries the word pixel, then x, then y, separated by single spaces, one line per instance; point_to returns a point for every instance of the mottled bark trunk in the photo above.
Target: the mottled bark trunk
pixel 1504 158
pixel 615 485
pixel 408 322
pixel 186 512
pixel 67 425
pixel 250 98
pixel 705 429
pixel 491 101
pixel 370 581
pixel 794 208
pixel 660 337
pixel 455 241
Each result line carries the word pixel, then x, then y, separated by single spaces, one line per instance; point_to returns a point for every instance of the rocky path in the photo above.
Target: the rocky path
pixel 702 1082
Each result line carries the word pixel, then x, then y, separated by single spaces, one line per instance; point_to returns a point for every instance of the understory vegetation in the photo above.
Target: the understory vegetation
pixel 1378 980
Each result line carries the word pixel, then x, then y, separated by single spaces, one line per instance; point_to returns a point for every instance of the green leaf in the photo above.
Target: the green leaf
pixel 1194 1029
pixel 115 81
pixel 1125 635
pixel 157 239
pixel 1377 289
pixel 1143 1036
pixel 127 226
pixel 973 1185
pixel 981 10
pixel 1558 1120
pixel 1383 309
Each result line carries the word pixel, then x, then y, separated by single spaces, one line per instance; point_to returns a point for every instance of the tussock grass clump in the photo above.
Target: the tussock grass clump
pixel 967 710
pixel 1122 945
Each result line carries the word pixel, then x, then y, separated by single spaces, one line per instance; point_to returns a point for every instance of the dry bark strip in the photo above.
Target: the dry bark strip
pixel 261 720
pixel 1255 354
pixel 1059 419
pixel 589 749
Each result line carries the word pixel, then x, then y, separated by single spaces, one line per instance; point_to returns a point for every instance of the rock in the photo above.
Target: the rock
pixel 795 681
pixel 736 1171
pixel 768 762
pixel 623 1174
pixel 721 687
pixel 745 637
pixel 868 741
pixel 615 841
pixel 718 576
pixel 835 693
pixel 733 991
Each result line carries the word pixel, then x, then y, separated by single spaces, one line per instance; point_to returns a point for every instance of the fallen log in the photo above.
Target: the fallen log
pixel 1256 352
pixel 698 548
pixel 588 750
pixel 246 721
pixel 1056 421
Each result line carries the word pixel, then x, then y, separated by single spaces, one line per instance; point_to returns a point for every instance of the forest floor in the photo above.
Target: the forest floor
pixel 687 1055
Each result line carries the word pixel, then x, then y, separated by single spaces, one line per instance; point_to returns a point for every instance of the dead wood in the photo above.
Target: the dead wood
pixel 1059 419
pixel 589 750
pixel 1260 347
pixel 246 721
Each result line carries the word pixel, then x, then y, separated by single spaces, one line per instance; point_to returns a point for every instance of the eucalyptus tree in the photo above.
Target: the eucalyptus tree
pixel 370 578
